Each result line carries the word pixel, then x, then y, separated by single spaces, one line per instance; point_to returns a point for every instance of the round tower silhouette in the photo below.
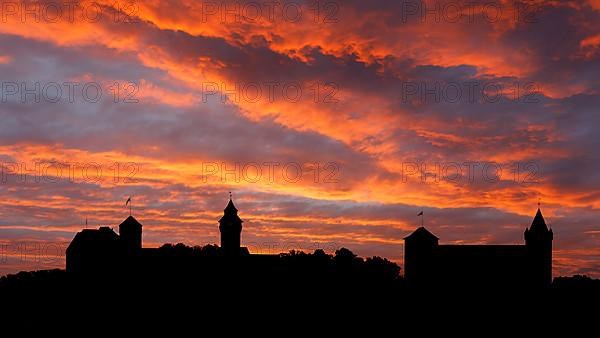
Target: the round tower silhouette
pixel 230 226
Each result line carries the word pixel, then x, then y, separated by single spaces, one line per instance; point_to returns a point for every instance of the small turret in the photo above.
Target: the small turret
pixel 230 226
pixel 130 232
pixel 418 251
pixel 538 239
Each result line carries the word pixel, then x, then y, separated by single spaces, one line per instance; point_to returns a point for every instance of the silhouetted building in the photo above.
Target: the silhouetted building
pixel 102 249
pixel 538 240
pixel 426 262
pixel 131 234
pixel 230 226
pixel 92 249
pixel 530 265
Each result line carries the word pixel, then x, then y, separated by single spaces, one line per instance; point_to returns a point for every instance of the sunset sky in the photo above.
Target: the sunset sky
pixel 333 123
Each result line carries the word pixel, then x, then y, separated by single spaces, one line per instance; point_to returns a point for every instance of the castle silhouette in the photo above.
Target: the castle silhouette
pixel 530 265
pixel 109 271
pixel 103 250
pixel 427 263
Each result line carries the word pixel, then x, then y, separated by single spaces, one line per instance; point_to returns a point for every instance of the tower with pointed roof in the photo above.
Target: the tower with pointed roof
pixel 538 240
pixel 230 226
pixel 428 263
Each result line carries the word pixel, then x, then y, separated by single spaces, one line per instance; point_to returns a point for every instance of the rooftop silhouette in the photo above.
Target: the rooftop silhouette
pixel 427 263
pixel 530 265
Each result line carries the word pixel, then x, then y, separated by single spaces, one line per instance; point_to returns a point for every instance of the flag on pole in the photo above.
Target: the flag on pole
pixel 420 214
pixel 129 203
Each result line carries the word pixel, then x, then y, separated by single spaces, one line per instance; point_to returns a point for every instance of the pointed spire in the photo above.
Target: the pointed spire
pixel 538 222
pixel 538 231
pixel 230 211
pixel 230 208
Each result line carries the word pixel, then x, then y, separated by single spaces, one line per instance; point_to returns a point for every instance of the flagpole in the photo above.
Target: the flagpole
pixel 129 202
